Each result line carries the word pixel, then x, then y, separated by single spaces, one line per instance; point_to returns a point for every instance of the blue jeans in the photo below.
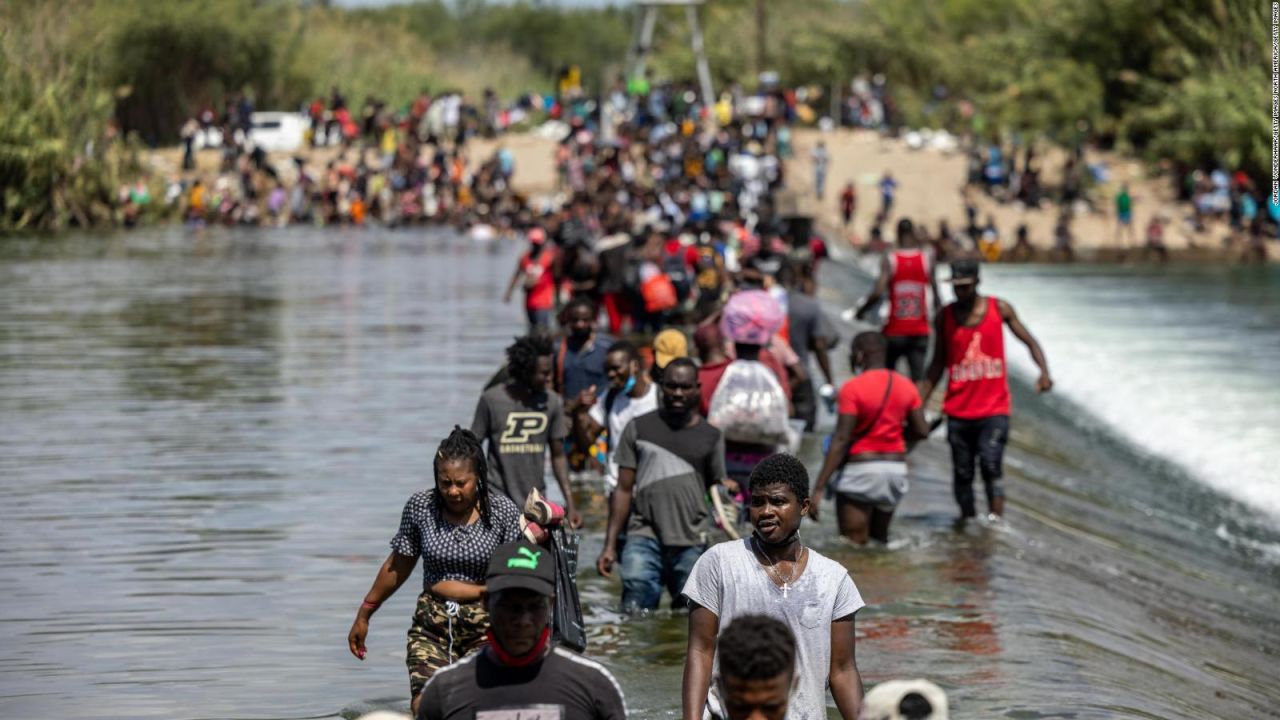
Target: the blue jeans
pixel 648 567
pixel 539 320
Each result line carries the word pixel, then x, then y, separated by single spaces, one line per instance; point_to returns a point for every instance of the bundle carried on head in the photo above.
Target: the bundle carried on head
pixel 751 317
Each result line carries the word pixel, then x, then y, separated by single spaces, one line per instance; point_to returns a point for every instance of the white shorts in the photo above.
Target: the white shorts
pixel 880 483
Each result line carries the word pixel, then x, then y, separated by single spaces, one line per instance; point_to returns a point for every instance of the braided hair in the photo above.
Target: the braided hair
pixel 462 444
pixel 523 354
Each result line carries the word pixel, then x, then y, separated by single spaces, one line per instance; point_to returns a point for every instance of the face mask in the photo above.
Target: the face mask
pixel 631 383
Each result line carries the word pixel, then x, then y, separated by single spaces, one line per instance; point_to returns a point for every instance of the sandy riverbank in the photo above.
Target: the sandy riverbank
pixel 929 190
pixel 535 165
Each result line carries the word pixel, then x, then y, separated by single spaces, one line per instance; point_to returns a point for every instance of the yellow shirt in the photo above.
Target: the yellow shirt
pixel 196 198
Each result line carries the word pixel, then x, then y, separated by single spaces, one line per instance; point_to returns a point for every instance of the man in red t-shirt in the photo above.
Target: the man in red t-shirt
pixel 868 452
pixel 535 269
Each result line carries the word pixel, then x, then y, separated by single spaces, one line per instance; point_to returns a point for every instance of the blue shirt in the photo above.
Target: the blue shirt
pixel 584 368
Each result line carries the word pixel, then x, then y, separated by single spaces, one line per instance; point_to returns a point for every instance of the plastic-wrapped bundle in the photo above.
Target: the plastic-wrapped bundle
pixel 748 405
pixel 752 317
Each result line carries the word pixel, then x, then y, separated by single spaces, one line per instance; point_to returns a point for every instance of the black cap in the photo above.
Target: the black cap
pixel 521 565
pixel 964 272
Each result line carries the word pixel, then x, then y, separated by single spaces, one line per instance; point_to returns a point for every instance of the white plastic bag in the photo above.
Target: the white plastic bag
pixel 749 405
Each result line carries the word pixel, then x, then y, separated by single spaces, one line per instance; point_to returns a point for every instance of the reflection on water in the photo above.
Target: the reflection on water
pixel 207 441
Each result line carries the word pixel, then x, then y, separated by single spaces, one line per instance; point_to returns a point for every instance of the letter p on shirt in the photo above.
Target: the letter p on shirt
pixel 523 426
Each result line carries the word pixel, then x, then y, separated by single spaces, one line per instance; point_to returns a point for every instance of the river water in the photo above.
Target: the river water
pixel 207 440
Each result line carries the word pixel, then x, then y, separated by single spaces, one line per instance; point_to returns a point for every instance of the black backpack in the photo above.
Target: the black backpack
pixel 674 266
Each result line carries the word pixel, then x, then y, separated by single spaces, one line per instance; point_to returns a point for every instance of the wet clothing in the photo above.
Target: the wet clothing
pixel 915 348
pixel 518 432
pixel 805 323
pixel 729 581
pixel 977 403
pixel 977 383
pixel 674 467
pixel 881 409
pixel 442 632
pixel 879 483
pixel 981 440
pixel 448 551
pixel 648 568
pixel 561 686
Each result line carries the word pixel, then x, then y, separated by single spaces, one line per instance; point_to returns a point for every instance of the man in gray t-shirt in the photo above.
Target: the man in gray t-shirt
pixel 522 422
pixel 809 331
pixel 667 459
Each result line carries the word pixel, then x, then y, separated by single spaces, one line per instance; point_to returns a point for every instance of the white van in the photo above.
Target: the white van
pixel 277 131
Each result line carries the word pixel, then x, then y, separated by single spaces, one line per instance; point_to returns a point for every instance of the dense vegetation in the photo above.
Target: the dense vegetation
pixel 1185 80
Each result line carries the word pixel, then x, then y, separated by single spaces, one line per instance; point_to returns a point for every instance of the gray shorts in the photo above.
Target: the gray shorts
pixel 880 483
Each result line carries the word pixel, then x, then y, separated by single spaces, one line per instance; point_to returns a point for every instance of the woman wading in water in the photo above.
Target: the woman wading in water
pixel 454 528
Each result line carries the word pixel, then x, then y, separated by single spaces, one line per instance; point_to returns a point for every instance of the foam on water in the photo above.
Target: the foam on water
pixel 1184 365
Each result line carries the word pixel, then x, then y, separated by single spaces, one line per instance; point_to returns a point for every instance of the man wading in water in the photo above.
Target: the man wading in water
pixel 906 277
pixel 666 460
pixel 522 422
pixel 970 349
pixel 772 573
pixel 868 453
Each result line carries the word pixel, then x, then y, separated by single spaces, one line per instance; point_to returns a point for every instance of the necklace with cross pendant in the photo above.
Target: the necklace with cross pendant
pixel 786 585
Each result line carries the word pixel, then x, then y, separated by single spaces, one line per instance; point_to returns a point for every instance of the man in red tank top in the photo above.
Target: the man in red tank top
pixel 868 452
pixel 907 279
pixel 970 349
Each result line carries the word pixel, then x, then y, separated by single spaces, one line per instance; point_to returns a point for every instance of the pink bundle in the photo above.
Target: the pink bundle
pixel 751 317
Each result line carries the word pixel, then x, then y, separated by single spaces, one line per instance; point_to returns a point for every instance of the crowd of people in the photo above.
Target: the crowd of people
pixel 411 165
pixel 673 334
pixel 1014 174
pixel 389 166
pixel 375 163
